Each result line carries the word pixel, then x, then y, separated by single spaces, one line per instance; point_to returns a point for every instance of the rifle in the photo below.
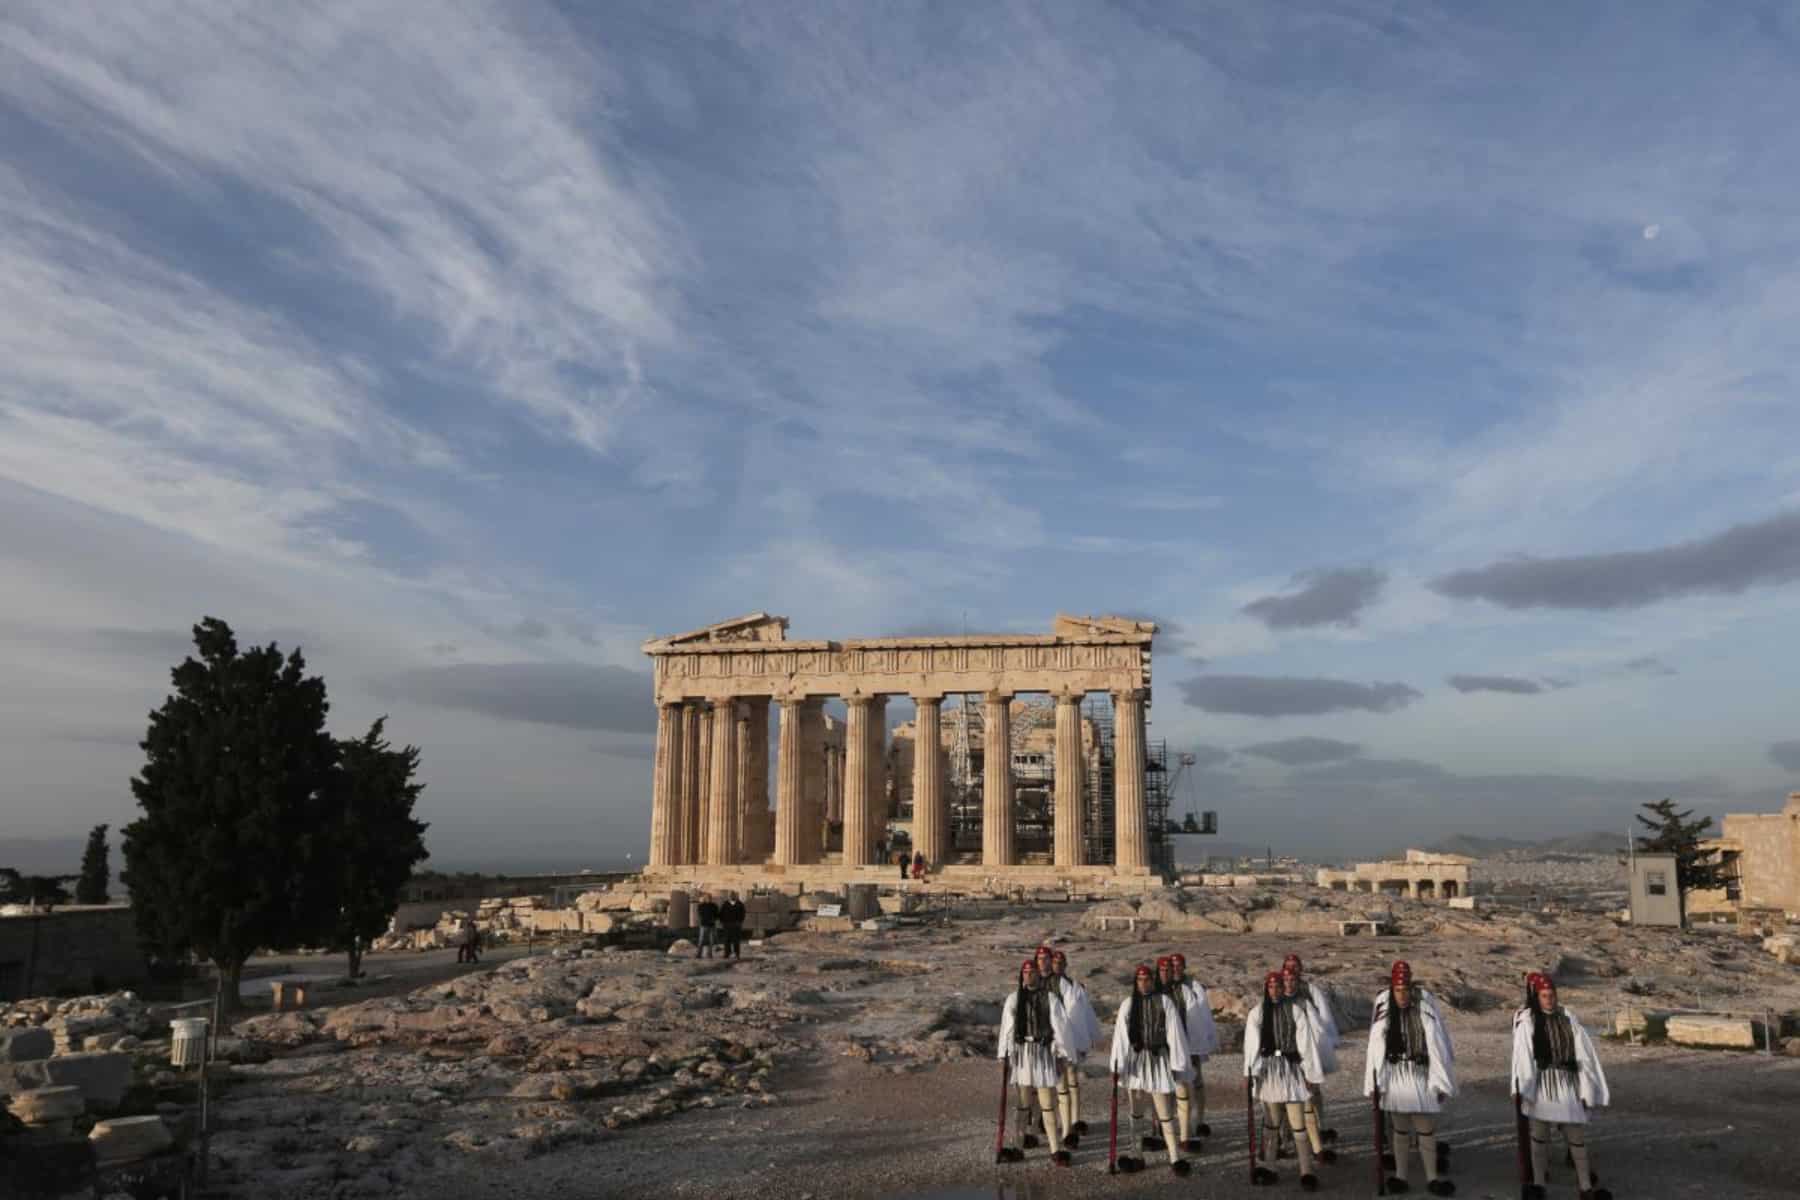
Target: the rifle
pixel 1522 1134
pixel 1380 1143
pixel 1112 1141
pixel 1002 1152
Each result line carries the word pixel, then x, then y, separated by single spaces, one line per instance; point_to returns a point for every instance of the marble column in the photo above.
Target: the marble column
pixel 931 814
pixel 812 781
pixel 1131 829
pixel 996 782
pixel 878 773
pixel 704 808
pixel 790 798
pixel 1070 780
pixel 752 778
pixel 721 810
pixel 856 782
pixel 692 717
pixel 665 801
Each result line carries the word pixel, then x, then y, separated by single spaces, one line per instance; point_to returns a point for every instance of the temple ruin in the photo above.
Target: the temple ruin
pixel 839 786
pixel 1421 875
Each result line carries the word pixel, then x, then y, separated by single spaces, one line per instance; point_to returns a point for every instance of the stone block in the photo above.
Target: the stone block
pixel 128 1138
pixel 1731 1033
pixel 26 1045
pixel 1640 1023
pixel 42 1106
pixel 597 922
pixel 102 1076
pixel 814 923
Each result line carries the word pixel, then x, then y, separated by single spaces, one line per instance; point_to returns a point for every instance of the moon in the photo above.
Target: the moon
pixel 1650 232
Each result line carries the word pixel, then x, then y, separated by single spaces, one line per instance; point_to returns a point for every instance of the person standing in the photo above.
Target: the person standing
pixel 1203 1040
pixel 1034 1033
pixel 1281 1059
pixel 1410 1067
pixel 918 864
pixel 707 914
pixel 731 925
pixel 1557 1077
pixel 1329 1040
pixel 1085 1024
pixel 1150 1055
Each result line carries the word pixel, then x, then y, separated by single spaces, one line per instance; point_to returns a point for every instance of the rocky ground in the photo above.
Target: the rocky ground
pixel 860 1064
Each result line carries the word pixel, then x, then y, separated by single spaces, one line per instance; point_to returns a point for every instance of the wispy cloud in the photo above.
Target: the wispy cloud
pixel 1292 696
pixel 1510 684
pixel 1304 750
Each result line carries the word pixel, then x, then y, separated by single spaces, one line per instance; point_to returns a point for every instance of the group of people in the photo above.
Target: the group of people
pixel 721 926
pixel 1164 1033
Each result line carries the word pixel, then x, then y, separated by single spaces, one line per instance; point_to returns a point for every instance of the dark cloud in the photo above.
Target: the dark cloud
pixel 581 632
pixel 1327 597
pixel 1375 770
pixel 1786 754
pixel 1751 555
pixel 531 628
pixel 1649 664
pixel 1292 696
pixel 572 695
pixel 1510 684
pixel 1298 751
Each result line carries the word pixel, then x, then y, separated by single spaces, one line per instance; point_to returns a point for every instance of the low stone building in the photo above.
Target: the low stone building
pixel 1421 875
pixel 69 950
pixel 1761 856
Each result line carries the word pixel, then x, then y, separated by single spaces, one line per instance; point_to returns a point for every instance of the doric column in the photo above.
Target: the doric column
pixel 752 778
pixel 931 816
pixel 1130 824
pixel 665 801
pixel 721 812
pixel 692 717
pixel 812 781
pixel 703 810
pixel 856 782
pixel 1069 780
pixel 790 798
pixel 878 772
pixel 996 782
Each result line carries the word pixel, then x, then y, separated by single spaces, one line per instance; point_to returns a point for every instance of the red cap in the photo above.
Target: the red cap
pixel 1058 956
pixel 1144 972
pixel 1273 977
pixel 1029 964
pixel 1533 978
pixel 1162 961
pixel 1292 960
pixel 1178 962
pixel 1541 982
pixel 1041 951
pixel 1402 970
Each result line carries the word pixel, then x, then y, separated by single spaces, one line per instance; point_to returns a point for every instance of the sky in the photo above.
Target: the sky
pixel 1426 372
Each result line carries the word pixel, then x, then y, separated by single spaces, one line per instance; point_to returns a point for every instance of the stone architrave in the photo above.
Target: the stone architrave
pixel 790 797
pixel 665 810
pixel 1131 825
pixel 997 782
pixel 691 715
pixel 931 815
pixel 721 813
pixel 857 775
pixel 1070 781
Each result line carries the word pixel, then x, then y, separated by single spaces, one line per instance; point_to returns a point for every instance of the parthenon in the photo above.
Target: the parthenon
pixel 714 688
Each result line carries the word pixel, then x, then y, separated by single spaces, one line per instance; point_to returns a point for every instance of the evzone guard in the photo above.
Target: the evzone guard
pixel 1203 1041
pixel 1295 987
pixel 1085 1024
pixel 1410 1071
pixel 1150 1055
pixel 1557 1079
pixel 1034 1033
pixel 1281 1063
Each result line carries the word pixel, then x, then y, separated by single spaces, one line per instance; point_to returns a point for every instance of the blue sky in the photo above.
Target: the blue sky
pixel 1429 373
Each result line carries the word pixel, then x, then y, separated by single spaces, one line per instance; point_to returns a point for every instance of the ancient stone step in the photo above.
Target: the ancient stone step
pixel 1735 1033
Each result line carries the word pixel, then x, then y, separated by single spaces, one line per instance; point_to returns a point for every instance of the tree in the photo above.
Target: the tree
pixel 31 889
pixel 378 843
pixel 96 872
pixel 1679 833
pixel 234 849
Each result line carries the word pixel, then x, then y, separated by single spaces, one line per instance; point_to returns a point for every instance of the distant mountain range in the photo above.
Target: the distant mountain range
pixel 1476 846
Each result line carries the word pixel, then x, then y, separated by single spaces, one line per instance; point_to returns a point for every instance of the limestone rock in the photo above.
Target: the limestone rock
pixel 681 946
pixel 126 1138
pixel 1735 1033
pixel 26 1045
pixel 101 1075
pixel 42 1106
pixel 1227 919
pixel 1784 946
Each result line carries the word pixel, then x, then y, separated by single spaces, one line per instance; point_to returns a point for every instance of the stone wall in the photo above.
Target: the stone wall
pixel 1769 862
pixel 69 951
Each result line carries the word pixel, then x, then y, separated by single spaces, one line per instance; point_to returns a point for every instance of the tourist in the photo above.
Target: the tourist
pixel 1034 1033
pixel 903 862
pixel 1086 1024
pixel 468 942
pixel 1203 1040
pixel 1557 1078
pixel 1150 1055
pixel 707 914
pixel 1281 1058
pixel 1295 986
pixel 919 864
pixel 731 924
pixel 1409 1069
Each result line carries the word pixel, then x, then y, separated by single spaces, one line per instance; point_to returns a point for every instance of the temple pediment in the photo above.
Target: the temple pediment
pixel 753 627
pixel 1068 626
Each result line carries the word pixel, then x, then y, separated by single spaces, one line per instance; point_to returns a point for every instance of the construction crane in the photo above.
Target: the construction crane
pixel 1194 821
